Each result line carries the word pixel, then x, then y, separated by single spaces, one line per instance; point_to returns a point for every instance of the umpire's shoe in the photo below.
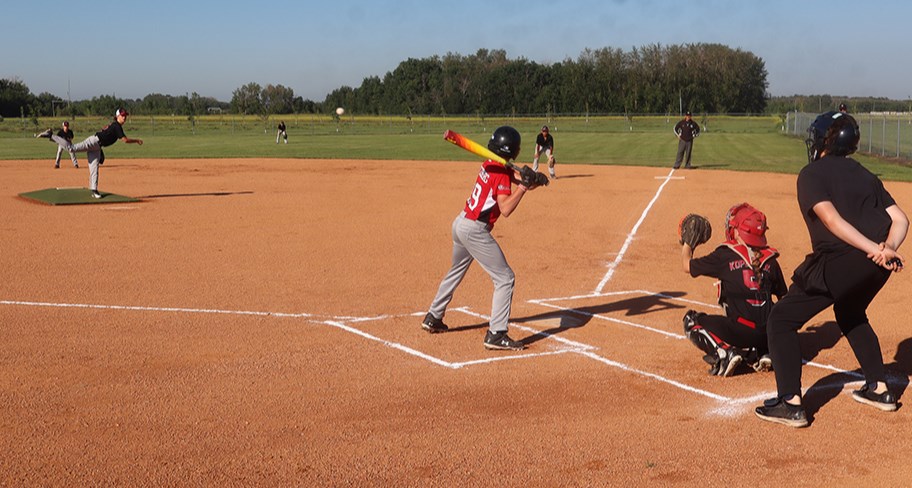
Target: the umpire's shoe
pixel 433 324
pixel 885 401
pixel 501 341
pixel 779 411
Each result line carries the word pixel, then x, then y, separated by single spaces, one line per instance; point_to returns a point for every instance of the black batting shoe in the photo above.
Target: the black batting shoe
pixel 885 401
pixel 781 412
pixel 501 341
pixel 433 324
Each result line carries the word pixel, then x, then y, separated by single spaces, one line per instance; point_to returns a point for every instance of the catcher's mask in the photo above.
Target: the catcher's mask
pixel 750 223
pixel 833 133
pixel 505 142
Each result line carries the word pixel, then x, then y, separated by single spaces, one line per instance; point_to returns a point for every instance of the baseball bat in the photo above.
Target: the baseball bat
pixel 475 148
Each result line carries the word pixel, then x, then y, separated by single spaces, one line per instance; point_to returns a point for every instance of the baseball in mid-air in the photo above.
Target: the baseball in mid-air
pixel 340 111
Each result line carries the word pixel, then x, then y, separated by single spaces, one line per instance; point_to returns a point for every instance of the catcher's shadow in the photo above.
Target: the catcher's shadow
pixel 574 318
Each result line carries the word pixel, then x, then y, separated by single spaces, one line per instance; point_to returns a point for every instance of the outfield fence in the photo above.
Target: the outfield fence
pixel 321 124
pixel 883 134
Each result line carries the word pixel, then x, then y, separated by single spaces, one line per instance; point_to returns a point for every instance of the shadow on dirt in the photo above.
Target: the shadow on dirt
pixel 579 317
pixel 212 194
pixel 830 386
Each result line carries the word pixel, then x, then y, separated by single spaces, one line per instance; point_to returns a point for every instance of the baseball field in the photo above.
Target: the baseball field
pixel 256 321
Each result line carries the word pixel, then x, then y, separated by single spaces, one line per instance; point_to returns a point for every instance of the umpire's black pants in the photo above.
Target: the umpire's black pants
pixel 853 281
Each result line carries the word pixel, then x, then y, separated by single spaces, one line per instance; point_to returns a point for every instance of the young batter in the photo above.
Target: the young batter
pixel 491 197
pixel 749 276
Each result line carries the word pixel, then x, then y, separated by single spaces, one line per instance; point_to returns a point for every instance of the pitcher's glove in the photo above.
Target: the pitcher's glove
pixel 532 179
pixel 694 230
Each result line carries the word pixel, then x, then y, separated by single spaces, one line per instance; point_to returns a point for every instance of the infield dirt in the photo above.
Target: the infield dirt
pixel 256 322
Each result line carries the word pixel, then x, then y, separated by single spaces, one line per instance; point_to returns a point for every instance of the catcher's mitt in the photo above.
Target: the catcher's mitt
pixel 694 230
pixel 531 179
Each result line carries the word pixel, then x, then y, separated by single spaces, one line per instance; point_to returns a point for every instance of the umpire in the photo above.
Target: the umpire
pixel 687 130
pixel 855 228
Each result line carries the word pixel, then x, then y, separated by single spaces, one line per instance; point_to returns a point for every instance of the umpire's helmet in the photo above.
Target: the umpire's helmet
pixel 505 142
pixel 833 133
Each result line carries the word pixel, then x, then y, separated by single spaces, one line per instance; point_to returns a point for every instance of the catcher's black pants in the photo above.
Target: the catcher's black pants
pixel 734 333
pixel 853 281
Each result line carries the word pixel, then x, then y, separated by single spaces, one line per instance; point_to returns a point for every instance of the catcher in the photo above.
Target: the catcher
pixel 748 275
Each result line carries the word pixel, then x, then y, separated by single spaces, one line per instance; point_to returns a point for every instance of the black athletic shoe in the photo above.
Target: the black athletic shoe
pixel 764 364
pixel 885 401
pixel 501 341
pixel 729 363
pixel 433 325
pixel 779 411
pixel 760 363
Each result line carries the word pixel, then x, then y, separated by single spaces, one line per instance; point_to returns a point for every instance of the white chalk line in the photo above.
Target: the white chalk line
pixel 575 347
pixel 585 350
pixel 620 255
pixel 732 405
pixel 141 308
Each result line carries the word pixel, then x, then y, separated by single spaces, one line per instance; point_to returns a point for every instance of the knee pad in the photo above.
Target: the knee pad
pixel 690 320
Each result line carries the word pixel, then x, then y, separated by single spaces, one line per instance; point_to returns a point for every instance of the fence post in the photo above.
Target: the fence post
pixel 870 131
pixel 883 137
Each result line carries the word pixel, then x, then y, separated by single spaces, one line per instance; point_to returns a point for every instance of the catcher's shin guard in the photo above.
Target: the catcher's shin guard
pixel 700 337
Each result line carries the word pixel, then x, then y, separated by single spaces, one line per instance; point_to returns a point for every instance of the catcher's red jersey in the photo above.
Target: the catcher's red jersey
pixel 493 179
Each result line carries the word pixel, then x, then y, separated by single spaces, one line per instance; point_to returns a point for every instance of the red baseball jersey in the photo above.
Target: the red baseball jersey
pixel 493 179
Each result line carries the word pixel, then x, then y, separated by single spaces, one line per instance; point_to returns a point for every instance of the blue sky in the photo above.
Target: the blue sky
pixel 133 48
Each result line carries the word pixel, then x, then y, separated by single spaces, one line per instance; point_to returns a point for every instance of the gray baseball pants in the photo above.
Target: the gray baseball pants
pixel 472 241
pixel 92 148
pixel 684 150
pixel 60 151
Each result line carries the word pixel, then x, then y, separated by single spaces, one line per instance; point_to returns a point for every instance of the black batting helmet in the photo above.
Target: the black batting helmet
pixel 835 133
pixel 505 142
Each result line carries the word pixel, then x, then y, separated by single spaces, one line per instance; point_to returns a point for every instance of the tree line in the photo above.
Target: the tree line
pixel 703 78
pixel 651 79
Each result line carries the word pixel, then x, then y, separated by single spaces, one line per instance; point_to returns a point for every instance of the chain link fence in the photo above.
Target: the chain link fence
pixel 885 134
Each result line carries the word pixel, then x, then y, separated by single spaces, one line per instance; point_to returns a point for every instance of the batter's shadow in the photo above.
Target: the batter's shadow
pixel 569 177
pixel 830 386
pixel 576 318
pixel 209 194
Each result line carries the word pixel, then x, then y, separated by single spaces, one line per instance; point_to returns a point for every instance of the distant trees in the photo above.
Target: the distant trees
pixel 710 78
pixel 15 98
pixel 650 79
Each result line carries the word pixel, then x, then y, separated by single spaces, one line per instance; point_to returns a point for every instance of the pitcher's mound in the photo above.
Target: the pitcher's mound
pixel 73 196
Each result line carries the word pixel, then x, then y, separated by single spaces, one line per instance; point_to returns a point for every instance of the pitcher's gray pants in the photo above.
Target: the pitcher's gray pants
pixel 472 241
pixel 92 148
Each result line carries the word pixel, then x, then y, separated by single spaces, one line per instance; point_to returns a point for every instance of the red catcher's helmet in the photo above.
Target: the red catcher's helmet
pixel 750 223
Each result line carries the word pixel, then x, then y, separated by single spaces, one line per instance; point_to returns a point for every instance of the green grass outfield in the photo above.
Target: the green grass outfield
pixel 731 143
